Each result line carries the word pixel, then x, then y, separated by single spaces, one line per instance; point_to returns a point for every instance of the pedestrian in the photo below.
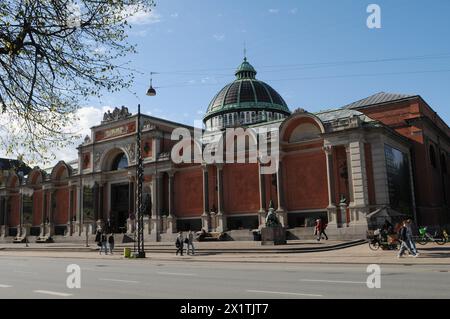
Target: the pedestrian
pixel 323 226
pixel 402 236
pixel 320 229
pixel 103 242
pixel 179 244
pixel 190 243
pixel 111 243
pixel 409 237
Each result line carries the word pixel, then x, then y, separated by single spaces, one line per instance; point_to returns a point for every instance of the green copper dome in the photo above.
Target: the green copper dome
pixel 246 93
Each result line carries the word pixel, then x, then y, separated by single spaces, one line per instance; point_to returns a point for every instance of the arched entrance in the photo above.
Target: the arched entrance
pixel 120 200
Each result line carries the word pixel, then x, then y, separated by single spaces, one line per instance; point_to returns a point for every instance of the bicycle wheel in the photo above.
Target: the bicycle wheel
pixel 440 240
pixel 374 245
pixel 422 241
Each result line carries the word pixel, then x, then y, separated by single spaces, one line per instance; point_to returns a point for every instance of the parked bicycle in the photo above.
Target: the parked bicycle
pixel 425 237
pixel 382 240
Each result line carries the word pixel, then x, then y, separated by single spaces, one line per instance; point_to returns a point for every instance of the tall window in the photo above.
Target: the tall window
pixel 88 204
pixel 120 162
pixel 432 156
pixel 398 176
pixel 27 209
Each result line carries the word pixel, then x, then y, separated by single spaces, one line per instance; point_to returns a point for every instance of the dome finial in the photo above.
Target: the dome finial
pixel 245 51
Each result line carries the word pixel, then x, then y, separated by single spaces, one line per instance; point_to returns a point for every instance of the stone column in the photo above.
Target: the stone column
pixel 359 207
pixel 262 198
pixel 70 214
pixel 44 212
pixel 101 206
pixel 221 218
pixel 156 206
pixel 171 220
pixel 4 227
pixel 96 202
pixel 79 209
pixel 50 231
pixel 332 217
pixel 281 211
pixel 206 219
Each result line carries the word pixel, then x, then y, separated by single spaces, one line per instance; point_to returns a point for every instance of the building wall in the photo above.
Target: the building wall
pixel 306 181
pixel 37 207
pixel 188 190
pixel 425 128
pixel 62 206
pixel 14 214
pixel 241 188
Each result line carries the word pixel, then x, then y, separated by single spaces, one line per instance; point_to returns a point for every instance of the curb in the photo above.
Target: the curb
pixel 203 250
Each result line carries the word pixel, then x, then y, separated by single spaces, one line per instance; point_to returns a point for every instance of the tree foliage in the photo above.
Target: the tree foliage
pixel 54 54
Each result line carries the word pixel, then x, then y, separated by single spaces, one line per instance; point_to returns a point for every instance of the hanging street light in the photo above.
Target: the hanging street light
pixel 140 253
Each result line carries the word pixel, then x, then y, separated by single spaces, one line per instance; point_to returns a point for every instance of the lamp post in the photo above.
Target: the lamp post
pixel 140 178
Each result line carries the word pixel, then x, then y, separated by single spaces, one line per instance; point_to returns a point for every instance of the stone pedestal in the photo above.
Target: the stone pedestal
pixel 46 233
pixel 221 223
pixel 171 225
pixel 206 225
pixel 153 236
pixel 131 226
pixel 3 231
pixel 273 236
pixel 213 219
pixel 343 215
pixel 282 216
pixel 332 216
pixel 261 219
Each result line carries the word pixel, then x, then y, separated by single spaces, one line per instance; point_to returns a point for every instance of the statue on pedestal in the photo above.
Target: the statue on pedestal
pixel 272 219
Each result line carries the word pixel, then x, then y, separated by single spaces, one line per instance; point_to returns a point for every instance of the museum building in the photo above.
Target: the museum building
pixel 387 150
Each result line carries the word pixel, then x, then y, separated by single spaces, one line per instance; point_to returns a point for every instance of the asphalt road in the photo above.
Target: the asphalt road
pixel 32 277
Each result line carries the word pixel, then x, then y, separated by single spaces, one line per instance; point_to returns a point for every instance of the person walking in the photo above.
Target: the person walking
pixel 402 236
pixel 190 243
pixel 179 243
pixel 320 229
pixel 111 243
pixel 103 242
pixel 323 226
pixel 409 237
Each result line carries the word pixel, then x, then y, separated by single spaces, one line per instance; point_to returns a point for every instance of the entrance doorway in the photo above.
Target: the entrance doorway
pixel 119 207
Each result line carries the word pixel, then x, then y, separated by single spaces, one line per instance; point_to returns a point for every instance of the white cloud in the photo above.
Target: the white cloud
pixel 174 15
pixel 141 16
pixel 219 37
pixel 294 11
pixel 274 11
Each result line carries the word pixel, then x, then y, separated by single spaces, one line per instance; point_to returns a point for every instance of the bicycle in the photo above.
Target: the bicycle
pixel 379 241
pixel 425 237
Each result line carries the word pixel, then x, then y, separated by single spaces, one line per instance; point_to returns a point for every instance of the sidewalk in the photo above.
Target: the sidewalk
pixel 429 255
pixel 231 247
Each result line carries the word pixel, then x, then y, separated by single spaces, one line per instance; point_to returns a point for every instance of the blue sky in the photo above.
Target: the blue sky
pixel 196 45
pixel 314 53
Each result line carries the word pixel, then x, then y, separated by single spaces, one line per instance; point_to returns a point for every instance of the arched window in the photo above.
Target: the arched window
pixel 432 156
pixel 120 162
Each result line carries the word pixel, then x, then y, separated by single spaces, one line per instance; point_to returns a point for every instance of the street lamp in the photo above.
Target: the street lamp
pixel 140 178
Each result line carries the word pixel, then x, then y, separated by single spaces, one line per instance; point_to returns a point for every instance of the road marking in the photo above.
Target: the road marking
pixel 53 293
pixel 175 274
pixel 119 280
pixel 334 281
pixel 25 272
pixel 283 293
pixel 5 286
